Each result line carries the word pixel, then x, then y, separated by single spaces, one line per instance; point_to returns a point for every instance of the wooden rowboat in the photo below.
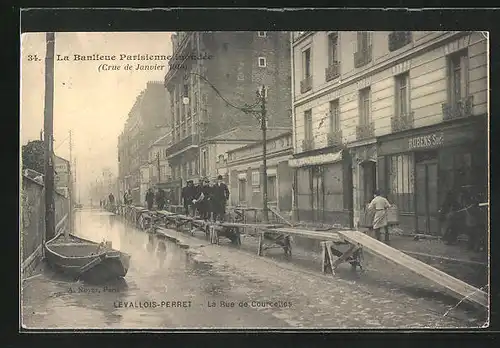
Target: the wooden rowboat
pixel 83 259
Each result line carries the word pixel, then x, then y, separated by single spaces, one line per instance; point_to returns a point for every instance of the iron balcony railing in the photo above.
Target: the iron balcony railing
pixel 192 139
pixel 306 84
pixel 363 57
pixel 333 71
pixel 402 122
pixel 398 39
pixel 307 144
pixel 364 131
pixel 334 138
pixel 459 109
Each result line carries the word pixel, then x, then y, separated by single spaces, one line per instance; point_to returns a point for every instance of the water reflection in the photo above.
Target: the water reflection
pixel 158 270
pixel 161 252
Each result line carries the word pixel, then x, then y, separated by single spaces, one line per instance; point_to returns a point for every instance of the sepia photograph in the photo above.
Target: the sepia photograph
pixel 254 180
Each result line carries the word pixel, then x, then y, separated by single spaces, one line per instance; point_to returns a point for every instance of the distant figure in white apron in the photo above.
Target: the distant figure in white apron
pixel 380 205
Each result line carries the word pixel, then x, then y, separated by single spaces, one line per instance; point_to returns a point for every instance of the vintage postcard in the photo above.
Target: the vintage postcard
pixel 254 179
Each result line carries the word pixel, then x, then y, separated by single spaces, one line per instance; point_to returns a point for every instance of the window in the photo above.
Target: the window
pixel 398 39
pixel 271 188
pixel 401 181
pixel 364 106
pixel 363 55
pixel 308 125
pixel 458 76
pixel 262 62
pixel 255 178
pixel 262 33
pixel 333 49
pixel 402 95
pixel 306 63
pixel 363 40
pixel 334 116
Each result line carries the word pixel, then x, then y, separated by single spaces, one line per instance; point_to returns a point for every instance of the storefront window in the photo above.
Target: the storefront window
pixel 401 182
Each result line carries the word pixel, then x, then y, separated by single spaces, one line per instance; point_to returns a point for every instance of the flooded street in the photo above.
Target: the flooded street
pixel 163 288
pixel 211 286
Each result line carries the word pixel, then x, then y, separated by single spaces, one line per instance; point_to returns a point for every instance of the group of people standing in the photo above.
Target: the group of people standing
pixel 206 199
pixel 108 203
pixel 160 197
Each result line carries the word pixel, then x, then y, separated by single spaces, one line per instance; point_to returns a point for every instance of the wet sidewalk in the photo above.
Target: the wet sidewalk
pixel 324 301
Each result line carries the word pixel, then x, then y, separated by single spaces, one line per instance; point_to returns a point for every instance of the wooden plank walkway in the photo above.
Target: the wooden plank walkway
pixel 454 287
pixel 318 235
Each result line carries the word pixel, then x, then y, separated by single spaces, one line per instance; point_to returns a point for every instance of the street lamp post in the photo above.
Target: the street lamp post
pixel 158 166
pixel 263 124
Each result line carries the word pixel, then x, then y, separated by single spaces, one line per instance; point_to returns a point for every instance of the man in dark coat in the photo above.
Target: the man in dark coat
pixel 150 196
pixel 203 199
pixel 160 199
pixel 220 197
pixel 188 195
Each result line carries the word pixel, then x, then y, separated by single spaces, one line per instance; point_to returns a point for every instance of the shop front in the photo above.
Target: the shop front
pixel 420 167
pixel 323 188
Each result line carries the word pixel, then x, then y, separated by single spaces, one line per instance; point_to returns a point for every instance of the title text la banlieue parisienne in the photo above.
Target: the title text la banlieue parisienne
pixel 141 61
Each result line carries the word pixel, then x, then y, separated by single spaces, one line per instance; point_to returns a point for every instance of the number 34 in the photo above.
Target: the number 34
pixel 33 58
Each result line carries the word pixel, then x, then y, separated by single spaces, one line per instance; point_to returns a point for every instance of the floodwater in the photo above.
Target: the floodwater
pixel 164 288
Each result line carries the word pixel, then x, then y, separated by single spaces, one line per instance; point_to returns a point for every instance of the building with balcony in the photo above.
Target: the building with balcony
pixel 243 169
pixel 232 66
pixel 146 122
pixel 407 111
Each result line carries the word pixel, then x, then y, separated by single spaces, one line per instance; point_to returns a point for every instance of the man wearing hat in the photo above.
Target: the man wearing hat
pixel 203 200
pixel 221 195
pixel 188 195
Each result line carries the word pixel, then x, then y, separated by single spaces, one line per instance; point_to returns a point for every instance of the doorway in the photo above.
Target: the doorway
pixel 369 169
pixel 426 189
pixel 318 196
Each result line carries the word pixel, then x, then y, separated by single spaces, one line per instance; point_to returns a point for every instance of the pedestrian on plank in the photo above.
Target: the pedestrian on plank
pixel 380 205
pixel 160 198
pixel 202 202
pixel 150 196
pixel 220 198
pixel 111 199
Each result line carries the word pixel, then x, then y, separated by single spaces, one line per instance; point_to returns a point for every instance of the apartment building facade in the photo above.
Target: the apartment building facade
pixel 145 123
pixel 405 112
pixel 210 73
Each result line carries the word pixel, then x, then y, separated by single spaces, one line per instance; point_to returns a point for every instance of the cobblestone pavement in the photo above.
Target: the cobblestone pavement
pixel 345 302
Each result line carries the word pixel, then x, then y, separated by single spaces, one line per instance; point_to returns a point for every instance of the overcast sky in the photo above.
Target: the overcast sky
pixel 93 104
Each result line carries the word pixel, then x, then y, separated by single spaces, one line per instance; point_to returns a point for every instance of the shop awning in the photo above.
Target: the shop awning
pixel 315 160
